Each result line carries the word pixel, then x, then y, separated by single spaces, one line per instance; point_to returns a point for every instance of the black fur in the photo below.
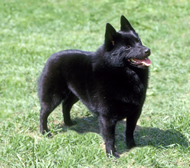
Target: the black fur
pixel 107 81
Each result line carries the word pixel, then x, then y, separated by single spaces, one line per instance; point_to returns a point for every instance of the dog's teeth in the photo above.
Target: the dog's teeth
pixel 133 60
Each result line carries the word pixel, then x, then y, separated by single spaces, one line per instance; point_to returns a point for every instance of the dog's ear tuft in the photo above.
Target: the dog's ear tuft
pixel 110 36
pixel 125 25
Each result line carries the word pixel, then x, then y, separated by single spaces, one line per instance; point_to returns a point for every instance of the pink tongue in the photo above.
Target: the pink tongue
pixel 145 61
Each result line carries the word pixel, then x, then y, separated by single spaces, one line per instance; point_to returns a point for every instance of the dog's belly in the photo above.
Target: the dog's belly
pixel 117 99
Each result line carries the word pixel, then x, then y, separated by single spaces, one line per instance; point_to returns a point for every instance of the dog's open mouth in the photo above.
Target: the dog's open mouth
pixel 142 62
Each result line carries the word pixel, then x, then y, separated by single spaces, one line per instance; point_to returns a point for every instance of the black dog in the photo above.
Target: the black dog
pixel 111 82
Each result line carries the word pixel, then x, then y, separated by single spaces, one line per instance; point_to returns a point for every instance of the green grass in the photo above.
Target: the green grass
pixel 30 31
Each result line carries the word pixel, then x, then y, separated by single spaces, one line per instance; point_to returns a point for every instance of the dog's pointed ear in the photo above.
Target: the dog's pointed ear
pixel 125 25
pixel 110 36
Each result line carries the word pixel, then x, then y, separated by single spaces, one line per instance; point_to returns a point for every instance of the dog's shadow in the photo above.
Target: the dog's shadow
pixel 144 136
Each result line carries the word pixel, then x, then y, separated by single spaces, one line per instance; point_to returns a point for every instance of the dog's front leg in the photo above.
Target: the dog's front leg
pixel 107 128
pixel 130 127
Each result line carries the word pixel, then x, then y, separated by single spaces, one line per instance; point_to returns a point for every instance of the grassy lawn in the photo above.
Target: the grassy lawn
pixel 30 31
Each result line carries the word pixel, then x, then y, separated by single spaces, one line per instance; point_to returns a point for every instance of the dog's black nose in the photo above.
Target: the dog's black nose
pixel 147 51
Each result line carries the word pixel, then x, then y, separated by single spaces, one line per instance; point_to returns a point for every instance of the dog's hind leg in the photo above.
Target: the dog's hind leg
pixel 66 107
pixel 107 128
pixel 48 104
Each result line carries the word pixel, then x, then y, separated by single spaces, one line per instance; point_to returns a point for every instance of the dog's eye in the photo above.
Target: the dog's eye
pixel 127 47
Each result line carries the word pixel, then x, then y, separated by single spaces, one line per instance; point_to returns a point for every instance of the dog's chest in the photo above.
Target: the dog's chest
pixel 127 87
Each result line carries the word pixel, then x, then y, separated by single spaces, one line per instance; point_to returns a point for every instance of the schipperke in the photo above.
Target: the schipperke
pixel 111 82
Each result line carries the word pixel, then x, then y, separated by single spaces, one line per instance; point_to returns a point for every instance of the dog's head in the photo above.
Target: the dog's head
pixel 126 45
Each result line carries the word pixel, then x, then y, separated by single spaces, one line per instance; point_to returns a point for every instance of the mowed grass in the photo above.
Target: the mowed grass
pixel 30 31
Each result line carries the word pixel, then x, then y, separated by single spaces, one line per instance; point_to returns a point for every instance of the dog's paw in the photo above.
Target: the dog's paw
pixel 130 144
pixel 46 133
pixel 70 123
pixel 49 135
pixel 115 155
